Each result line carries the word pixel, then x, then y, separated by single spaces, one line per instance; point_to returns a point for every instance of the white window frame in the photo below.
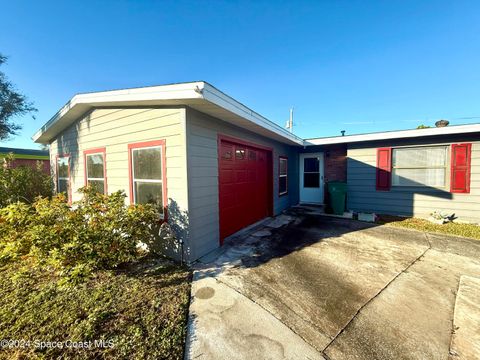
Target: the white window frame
pixel 162 215
pixel 445 167
pixel 97 179
pixel 280 175
pixel 67 157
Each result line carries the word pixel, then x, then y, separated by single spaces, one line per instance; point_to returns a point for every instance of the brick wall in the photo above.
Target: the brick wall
pixel 336 163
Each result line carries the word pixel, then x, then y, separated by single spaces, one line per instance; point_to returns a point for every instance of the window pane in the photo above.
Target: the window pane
pixel 95 166
pixel 98 185
pixel 149 193
pixel 420 157
pixel 227 154
pixel 311 180
pixel 418 177
pixel 147 163
pixel 62 186
pixel 282 184
pixel 283 167
pixel 62 167
pixel 311 165
pixel 240 154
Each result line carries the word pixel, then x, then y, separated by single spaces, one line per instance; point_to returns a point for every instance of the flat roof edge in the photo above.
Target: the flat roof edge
pixel 396 134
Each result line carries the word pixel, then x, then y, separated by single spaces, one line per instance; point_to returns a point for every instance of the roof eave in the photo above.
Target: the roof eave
pixel 188 94
pixel 391 135
pixel 82 103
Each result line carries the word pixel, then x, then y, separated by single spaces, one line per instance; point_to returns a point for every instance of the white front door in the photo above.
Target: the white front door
pixel 311 178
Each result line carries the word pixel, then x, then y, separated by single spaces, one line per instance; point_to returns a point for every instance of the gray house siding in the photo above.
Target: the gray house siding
pixel 114 129
pixel 202 142
pixel 410 201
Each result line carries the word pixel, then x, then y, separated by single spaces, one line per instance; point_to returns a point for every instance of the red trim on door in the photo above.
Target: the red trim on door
pixel 282 157
pixel 101 150
pixel 242 142
pixel 460 168
pixel 384 169
pixel 145 144
pixel 69 193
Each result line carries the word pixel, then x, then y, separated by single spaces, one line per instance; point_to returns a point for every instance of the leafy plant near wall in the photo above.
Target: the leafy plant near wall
pixel 97 232
pixel 22 183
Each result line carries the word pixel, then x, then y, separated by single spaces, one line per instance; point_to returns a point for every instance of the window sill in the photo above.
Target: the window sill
pixel 419 188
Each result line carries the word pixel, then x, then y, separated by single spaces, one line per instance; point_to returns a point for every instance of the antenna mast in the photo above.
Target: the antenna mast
pixel 290 121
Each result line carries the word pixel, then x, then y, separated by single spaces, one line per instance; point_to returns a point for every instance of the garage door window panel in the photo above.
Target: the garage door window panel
pixel 240 153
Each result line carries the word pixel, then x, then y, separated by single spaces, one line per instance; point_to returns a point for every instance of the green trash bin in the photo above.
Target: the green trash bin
pixel 338 192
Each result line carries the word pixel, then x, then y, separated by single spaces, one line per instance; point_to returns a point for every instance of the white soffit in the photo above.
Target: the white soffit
pixel 198 95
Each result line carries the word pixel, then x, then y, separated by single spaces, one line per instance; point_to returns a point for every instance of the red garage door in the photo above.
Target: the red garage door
pixel 245 181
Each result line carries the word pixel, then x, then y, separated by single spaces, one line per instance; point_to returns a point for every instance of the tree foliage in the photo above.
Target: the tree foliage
pixel 22 183
pixel 12 104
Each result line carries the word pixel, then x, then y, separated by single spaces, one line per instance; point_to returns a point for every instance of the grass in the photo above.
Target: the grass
pixel 451 228
pixel 141 310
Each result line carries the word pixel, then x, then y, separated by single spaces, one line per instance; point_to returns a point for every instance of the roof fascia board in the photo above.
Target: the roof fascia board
pixel 177 92
pixel 90 100
pixel 401 134
pixel 221 99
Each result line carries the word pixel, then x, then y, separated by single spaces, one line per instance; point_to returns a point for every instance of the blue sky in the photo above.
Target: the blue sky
pixel 357 66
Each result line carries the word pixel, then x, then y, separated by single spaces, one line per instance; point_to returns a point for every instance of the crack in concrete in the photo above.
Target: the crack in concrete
pixel 375 296
pixel 325 356
pixel 320 351
pixel 428 240
pixel 268 311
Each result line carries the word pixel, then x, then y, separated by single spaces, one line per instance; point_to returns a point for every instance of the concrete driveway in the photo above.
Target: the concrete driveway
pixel 306 286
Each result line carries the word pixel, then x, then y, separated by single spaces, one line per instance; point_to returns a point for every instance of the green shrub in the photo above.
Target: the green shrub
pixel 14 220
pixel 97 232
pixel 22 183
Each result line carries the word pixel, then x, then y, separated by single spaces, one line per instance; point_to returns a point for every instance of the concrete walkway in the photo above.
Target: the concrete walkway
pixel 311 287
pixel 466 322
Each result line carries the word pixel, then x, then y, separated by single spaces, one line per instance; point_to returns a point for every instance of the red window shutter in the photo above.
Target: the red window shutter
pixel 384 168
pixel 460 168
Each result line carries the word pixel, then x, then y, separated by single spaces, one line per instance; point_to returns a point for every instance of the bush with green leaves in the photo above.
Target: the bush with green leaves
pixel 97 232
pixel 22 183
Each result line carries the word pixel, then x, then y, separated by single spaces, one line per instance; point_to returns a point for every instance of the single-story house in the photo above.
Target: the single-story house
pixel 214 166
pixel 27 157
